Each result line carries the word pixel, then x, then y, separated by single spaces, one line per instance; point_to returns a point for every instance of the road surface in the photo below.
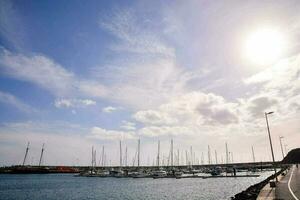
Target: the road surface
pixel 288 188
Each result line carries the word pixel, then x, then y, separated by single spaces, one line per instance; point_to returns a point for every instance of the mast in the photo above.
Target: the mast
pixel 95 162
pixel 178 158
pixel 231 157
pixel 120 153
pixel 186 158
pixel 92 156
pixel 216 156
pixel 158 149
pixel 253 156
pixel 139 152
pixel 148 161
pixel 182 157
pixel 209 158
pixel 191 161
pixel 194 157
pixel 26 153
pixel 42 152
pixel 126 156
pixel 227 157
pixel 102 161
pixel 171 152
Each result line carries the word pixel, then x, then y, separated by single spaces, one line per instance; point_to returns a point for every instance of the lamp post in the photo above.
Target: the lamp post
pixel 285 149
pixel 266 115
pixel 280 138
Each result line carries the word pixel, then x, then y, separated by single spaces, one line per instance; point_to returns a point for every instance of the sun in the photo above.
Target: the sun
pixel 264 46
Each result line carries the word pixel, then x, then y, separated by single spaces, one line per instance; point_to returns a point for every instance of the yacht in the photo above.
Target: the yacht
pixel 159 174
pixel 139 174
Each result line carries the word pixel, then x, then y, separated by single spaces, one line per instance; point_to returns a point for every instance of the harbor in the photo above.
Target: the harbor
pixel 53 186
pixel 149 100
pixel 170 170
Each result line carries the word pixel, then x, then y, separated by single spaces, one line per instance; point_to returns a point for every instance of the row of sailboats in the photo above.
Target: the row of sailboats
pixel 161 170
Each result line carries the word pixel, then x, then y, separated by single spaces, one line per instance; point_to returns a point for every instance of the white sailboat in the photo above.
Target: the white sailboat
pixel 160 173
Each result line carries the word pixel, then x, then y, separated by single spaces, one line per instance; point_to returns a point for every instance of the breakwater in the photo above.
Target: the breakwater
pixel 252 192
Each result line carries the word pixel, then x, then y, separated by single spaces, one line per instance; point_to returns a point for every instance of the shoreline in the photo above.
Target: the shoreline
pixel 253 191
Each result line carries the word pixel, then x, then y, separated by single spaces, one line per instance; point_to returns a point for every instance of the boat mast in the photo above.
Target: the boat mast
pixel 26 153
pixel 253 156
pixel 191 160
pixel 139 152
pixel 172 153
pixel 186 158
pixel 92 156
pixel 95 161
pixel 227 157
pixel 216 156
pixel 42 152
pixel 102 161
pixel 158 149
pixel 126 156
pixel 120 153
pixel 178 158
pixel 209 158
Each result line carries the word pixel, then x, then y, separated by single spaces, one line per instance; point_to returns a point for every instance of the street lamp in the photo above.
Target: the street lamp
pixel 280 138
pixel 266 115
pixel 285 149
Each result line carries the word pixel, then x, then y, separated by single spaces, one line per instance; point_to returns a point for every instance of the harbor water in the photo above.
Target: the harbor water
pixel 69 187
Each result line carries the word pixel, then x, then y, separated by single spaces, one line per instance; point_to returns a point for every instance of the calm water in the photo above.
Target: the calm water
pixel 66 186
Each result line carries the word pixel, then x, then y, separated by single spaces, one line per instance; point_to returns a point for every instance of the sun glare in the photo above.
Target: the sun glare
pixel 264 46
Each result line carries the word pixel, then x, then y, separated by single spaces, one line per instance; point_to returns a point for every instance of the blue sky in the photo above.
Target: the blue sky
pixel 79 74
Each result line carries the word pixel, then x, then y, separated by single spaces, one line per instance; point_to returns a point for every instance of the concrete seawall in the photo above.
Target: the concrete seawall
pixel 253 191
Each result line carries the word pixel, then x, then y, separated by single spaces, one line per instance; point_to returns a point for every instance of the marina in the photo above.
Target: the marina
pixel 66 186
pixel 149 100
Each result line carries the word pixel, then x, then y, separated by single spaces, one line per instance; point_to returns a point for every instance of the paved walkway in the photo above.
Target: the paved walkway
pixel 288 188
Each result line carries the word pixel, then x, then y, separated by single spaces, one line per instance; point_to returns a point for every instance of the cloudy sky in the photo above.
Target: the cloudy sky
pixel 79 74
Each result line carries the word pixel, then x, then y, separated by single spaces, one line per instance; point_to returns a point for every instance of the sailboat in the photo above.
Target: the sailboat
pixel 118 173
pixel 27 169
pixel 160 173
pixel 139 173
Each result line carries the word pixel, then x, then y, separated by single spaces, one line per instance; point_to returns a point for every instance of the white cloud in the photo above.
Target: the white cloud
pixel 12 100
pixel 103 134
pixel 64 143
pixel 149 76
pixel 277 75
pixel 109 109
pixel 37 69
pixel 129 126
pixel 92 88
pixel 165 131
pixel 154 117
pixel 280 92
pixel 201 108
pixel 135 37
pixel 48 74
pixel 189 115
pixel 257 105
pixel 73 103
pixel 11 25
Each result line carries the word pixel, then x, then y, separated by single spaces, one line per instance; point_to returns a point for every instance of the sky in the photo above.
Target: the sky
pixel 81 74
